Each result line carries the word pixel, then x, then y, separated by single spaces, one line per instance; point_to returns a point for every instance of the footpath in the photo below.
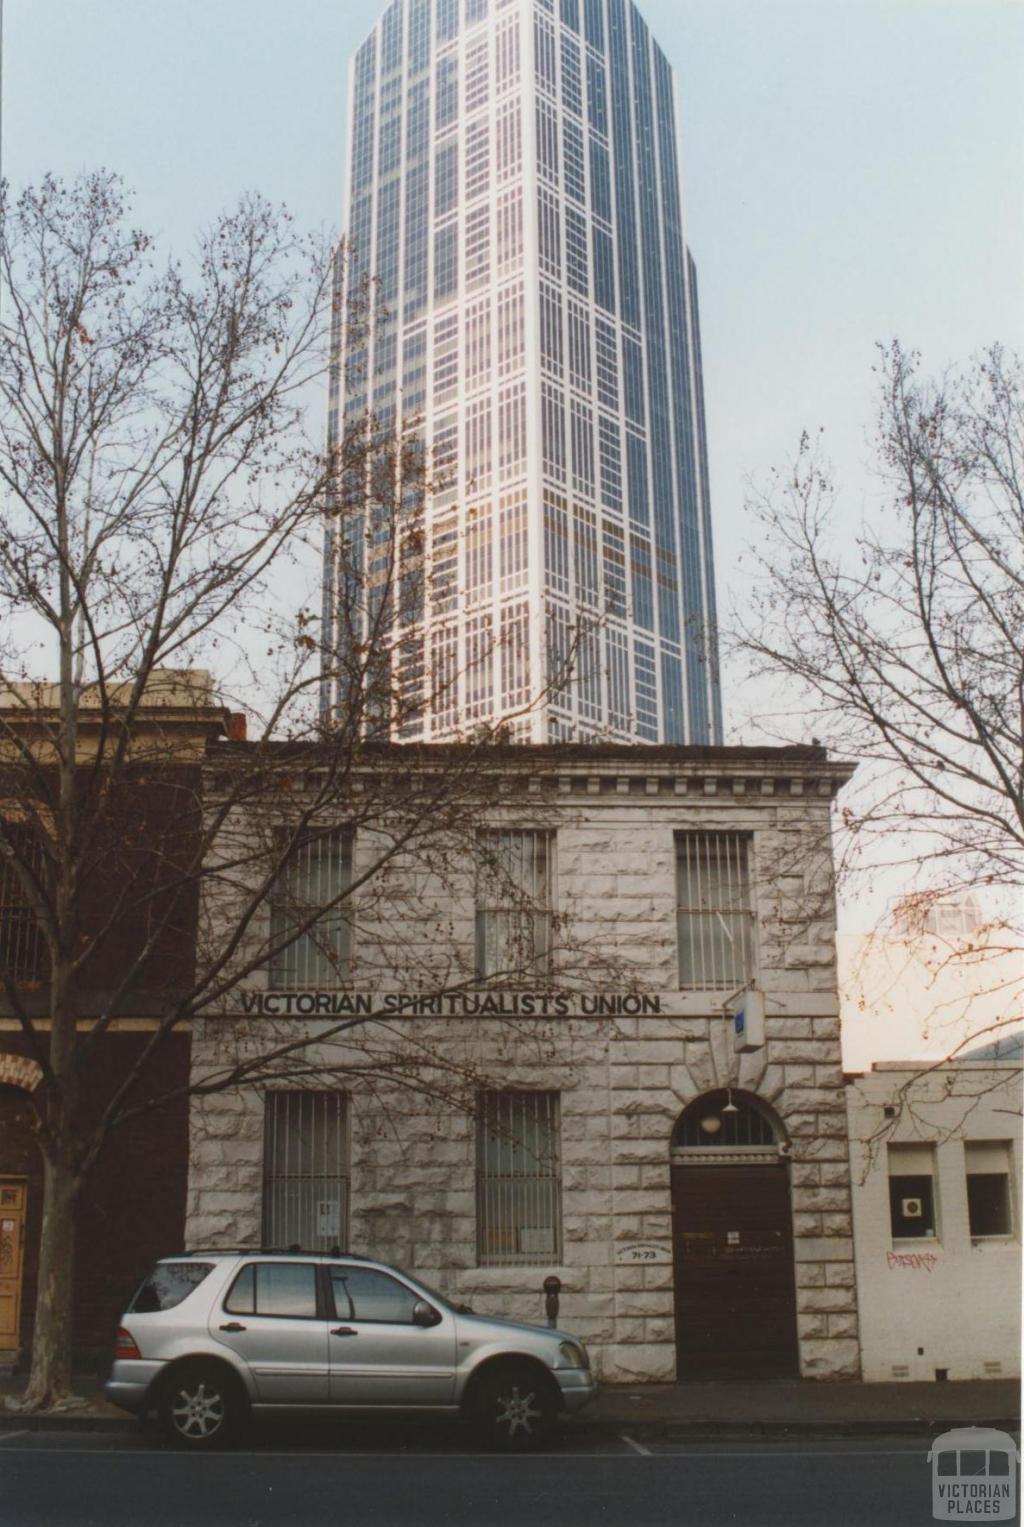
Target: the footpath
pixel 675 1412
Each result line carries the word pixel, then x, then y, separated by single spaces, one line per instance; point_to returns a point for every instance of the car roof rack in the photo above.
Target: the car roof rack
pixel 266 1251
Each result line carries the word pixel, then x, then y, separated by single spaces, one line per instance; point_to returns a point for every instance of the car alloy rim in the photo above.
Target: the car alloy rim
pixel 199 1414
pixel 518 1412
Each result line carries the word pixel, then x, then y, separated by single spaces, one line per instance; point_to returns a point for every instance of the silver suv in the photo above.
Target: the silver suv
pixel 213 1336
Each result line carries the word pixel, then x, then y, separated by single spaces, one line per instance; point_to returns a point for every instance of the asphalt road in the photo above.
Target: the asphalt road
pixel 389 1477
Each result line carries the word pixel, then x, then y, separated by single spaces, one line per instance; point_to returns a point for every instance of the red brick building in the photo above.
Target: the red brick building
pixel 132 1204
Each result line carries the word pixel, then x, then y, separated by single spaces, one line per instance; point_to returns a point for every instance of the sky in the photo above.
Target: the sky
pixel 853 173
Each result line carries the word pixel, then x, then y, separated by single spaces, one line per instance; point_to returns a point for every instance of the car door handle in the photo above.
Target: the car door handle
pixel 344 1331
pixel 233 1325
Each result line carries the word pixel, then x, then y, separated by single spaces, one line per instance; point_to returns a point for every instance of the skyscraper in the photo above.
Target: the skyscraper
pixel 513 197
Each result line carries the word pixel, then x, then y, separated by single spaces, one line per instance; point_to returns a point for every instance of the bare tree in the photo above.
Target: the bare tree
pixel 160 488
pixel 904 645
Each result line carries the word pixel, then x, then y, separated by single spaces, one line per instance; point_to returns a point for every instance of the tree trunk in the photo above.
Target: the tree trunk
pixel 50 1377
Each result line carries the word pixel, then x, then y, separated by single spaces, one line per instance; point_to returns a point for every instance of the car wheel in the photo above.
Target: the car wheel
pixel 514 1408
pixel 199 1407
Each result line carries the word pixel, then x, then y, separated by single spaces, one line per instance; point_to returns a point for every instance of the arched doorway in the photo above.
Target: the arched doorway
pixel 735 1289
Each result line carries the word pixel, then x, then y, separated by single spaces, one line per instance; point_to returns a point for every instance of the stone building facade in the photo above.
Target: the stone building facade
pixel 693 1199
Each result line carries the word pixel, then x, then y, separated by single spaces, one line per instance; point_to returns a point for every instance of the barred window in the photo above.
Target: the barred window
pixel 518 1179
pixel 714 913
pixel 305 1170
pixel 308 909
pixel 24 958
pixel 513 903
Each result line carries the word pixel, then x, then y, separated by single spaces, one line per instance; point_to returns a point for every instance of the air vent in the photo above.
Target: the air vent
pixel 993 1368
pixel 900 1371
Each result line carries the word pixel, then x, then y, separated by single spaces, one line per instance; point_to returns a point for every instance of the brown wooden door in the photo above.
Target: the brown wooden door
pixel 735 1288
pixel 12 1242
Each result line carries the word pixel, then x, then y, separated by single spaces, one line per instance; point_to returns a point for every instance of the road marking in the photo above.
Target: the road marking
pixel 644 1452
pixel 10 1436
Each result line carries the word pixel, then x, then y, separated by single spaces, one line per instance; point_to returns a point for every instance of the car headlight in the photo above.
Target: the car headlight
pixel 573 1354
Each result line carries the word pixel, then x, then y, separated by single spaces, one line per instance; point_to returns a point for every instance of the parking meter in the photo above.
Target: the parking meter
pixel 552 1289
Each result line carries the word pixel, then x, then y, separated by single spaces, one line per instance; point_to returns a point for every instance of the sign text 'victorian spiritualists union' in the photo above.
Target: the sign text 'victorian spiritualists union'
pixel 453 1004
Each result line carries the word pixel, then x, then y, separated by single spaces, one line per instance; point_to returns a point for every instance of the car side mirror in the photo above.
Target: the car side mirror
pixel 424 1314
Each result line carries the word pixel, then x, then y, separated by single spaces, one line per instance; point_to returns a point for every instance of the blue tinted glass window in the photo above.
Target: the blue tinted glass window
pixel 446 178
pixel 668 597
pixel 550 235
pixel 629 283
pixel 572 80
pixel 446 261
pixel 416 224
pixel 604 271
pixel 544 47
pixel 576 250
pixel 417 122
pixel 633 379
pixel 446 93
pixel 446 23
pixel 672 693
pixel 476 10
pixel 359 239
pixel 575 176
pixel 643 588
pixel 419 35
pixel 390 151
pixel 593 23
pixel 636 473
pixel 571 13
pixel 610 454
pixel 391 38
pixel 600 181
pixel 597 97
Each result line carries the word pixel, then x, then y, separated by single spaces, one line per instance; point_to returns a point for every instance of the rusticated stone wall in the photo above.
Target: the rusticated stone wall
pixel 623 1081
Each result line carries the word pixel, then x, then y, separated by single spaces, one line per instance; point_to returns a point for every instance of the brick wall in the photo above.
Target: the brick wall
pixel 132 1206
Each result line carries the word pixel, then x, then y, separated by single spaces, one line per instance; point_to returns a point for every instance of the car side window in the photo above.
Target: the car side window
pixel 362 1293
pixel 285 1289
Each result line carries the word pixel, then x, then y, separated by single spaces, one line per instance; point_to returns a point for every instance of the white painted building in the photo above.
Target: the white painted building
pixel 694 1201
pixel 936 1167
